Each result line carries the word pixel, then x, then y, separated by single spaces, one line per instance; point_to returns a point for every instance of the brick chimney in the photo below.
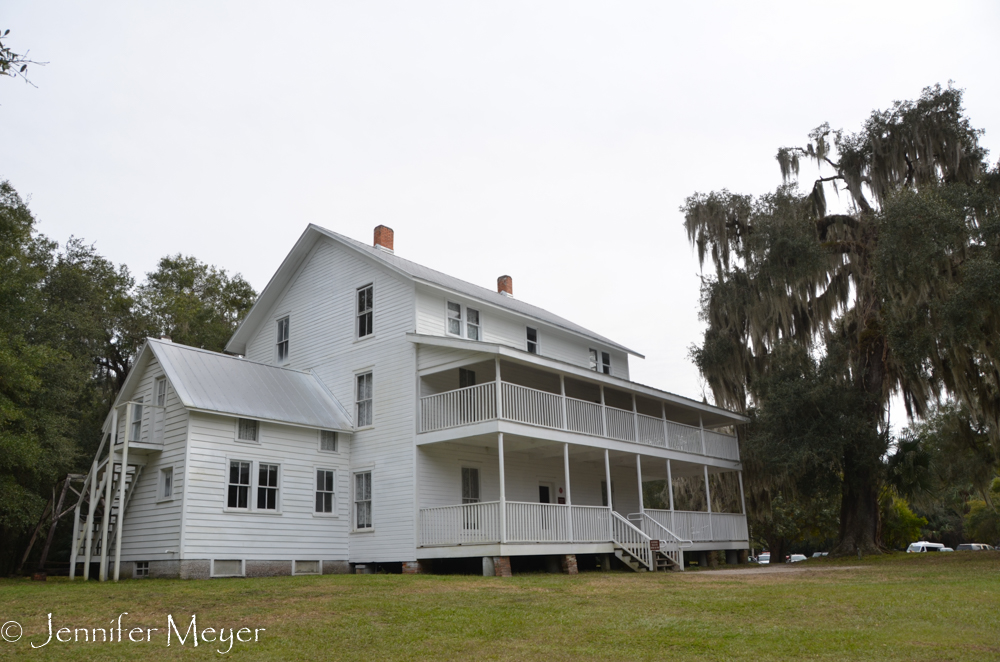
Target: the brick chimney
pixel 383 238
pixel 505 286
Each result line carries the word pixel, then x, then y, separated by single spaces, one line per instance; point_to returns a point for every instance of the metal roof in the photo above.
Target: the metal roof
pixel 209 381
pixel 428 275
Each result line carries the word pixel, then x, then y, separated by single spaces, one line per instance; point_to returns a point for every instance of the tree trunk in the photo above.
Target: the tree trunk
pixel 859 511
pixel 778 548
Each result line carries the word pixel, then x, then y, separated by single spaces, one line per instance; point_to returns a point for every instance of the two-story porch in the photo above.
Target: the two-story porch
pixel 522 455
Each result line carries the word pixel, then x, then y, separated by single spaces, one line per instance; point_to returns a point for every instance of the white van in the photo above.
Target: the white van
pixel 925 547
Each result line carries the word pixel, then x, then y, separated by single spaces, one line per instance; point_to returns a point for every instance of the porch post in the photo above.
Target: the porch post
pixel 109 472
pixel 569 498
pixel 604 421
pixel 499 394
pixel 708 499
pixel 120 519
pixel 562 394
pixel 638 475
pixel 670 488
pixel 743 502
pixel 701 430
pixel 607 478
pixel 503 490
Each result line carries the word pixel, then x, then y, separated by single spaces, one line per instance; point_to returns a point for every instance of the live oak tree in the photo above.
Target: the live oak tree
pixel 897 292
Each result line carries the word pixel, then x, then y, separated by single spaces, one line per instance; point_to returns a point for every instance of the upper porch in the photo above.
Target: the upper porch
pixel 476 388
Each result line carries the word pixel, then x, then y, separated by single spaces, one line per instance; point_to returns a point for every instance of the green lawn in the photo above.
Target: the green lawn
pixel 899 607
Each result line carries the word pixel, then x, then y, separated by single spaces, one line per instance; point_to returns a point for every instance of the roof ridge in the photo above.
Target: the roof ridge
pixel 226 356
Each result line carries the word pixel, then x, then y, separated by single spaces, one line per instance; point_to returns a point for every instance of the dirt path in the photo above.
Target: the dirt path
pixel 779 568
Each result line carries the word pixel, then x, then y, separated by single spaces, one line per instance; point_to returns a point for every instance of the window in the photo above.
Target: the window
pixel 593 360
pixel 282 341
pixel 141 569
pixel 466 378
pixel 267 486
pixel 470 485
pixel 365 304
pixel 161 392
pixel 328 441
pixel 454 319
pixel 605 363
pixel 364 399
pixel 363 500
pixel 247 430
pixel 472 326
pixel 324 491
pixel 239 485
pixel 167 483
pixel 135 433
pixel 532 341
pixel 604 492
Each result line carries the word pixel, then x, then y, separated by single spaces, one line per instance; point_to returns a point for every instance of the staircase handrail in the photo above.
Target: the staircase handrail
pixel 682 543
pixel 632 539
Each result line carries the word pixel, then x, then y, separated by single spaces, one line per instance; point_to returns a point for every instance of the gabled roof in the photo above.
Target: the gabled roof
pixel 407 269
pixel 214 382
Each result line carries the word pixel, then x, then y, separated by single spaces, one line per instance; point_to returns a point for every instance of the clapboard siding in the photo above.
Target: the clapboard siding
pixel 295 533
pixel 441 477
pixel 320 302
pixel 503 328
pixel 152 526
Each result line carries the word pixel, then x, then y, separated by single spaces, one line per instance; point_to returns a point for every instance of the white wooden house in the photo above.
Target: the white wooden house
pixel 373 411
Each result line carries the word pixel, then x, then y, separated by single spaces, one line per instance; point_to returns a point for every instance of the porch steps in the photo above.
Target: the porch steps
pixel 629 560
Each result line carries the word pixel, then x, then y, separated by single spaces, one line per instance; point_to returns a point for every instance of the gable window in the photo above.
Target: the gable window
pixel 532 341
pixel 160 391
pixel 328 441
pixel 167 483
pixel 267 486
pixel 135 432
pixel 605 363
pixel 593 360
pixel 324 491
pixel 466 378
pixel 282 341
pixel 454 319
pixel 365 306
pixel 239 485
pixel 470 485
pixel 363 500
pixel 247 430
pixel 364 399
pixel 472 330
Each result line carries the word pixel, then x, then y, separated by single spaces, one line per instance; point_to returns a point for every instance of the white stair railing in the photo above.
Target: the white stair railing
pixel 670 543
pixel 631 539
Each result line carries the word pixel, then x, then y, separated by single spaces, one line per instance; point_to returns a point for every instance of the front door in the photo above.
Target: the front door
pixel 546 494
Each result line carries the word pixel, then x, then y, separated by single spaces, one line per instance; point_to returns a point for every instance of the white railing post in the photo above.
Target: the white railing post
pixel 109 467
pixel 569 497
pixel 701 428
pixel 670 487
pixel 607 477
pixel 638 475
pixel 562 398
pixel 743 502
pixel 499 394
pixel 503 487
pixel 120 518
pixel 708 499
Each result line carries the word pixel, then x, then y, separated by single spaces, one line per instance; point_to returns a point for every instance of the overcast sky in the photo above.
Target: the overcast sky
pixel 552 141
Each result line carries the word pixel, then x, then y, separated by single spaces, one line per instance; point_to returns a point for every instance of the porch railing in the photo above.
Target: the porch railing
pixel 479 523
pixel 521 404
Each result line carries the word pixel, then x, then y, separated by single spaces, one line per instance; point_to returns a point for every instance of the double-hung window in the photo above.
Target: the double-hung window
pixel 454 318
pixel 365 307
pixel 363 500
pixel 363 399
pixel 282 341
pixel 167 483
pixel 470 485
pixel 606 363
pixel 135 432
pixel 324 490
pixel 594 365
pixel 532 340
pixel 472 329
pixel 328 441
pixel 160 392
pixel 267 486
pixel 239 485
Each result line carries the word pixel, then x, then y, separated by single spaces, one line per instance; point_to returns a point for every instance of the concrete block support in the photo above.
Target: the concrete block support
pixel 605 563
pixel 489 568
pixel 569 564
pixel 702 559
pixel 501 566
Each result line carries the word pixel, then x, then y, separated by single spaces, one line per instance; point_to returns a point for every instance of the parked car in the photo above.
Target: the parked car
pixel 795 558
pixel 946 549
pixel 974 547
pixel 764 558
pixel 817 555
pixel 923 546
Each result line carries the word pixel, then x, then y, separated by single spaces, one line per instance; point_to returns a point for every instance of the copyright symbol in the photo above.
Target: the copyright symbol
pixel 11 631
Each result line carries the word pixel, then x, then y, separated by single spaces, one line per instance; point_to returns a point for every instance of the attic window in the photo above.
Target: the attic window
pixel 532 340
pixel 282 341
pixel 247 430
pixel 605 363
pixel 328 441
pixel 365 306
